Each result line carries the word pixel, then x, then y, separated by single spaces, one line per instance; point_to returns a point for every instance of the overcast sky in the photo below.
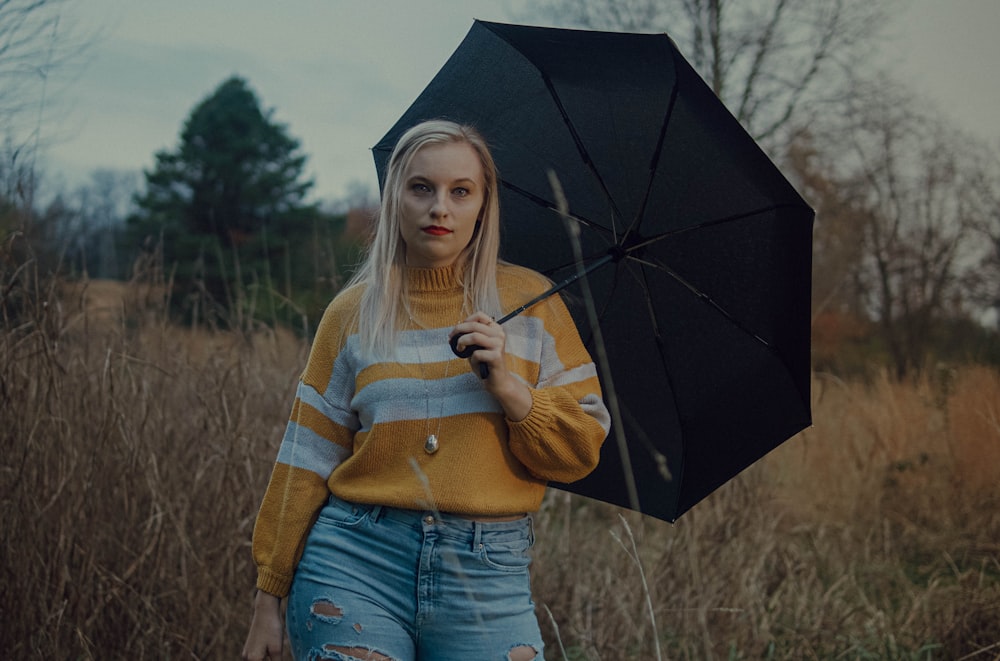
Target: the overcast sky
pixel 340 72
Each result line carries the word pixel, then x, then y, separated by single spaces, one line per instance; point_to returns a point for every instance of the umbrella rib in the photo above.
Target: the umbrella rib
pixel 648 241
pixel 705 298
pixel 660 459
pixel 580 147
pixel 546 204
pixel 654 162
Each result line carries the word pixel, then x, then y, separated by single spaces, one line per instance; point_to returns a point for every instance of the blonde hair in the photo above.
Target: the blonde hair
pixel 385 297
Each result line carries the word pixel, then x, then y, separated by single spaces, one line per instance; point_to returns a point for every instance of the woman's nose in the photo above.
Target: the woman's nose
pixel 440 207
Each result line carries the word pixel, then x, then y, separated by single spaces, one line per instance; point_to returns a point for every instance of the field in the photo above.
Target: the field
pixel 135 454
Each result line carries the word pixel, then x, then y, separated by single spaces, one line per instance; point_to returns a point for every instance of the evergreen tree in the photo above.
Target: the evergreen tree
pixel 224 207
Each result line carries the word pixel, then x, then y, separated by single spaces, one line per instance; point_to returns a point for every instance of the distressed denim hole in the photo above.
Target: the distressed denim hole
pixel 355 653
pixel 327 611
pixel 522 653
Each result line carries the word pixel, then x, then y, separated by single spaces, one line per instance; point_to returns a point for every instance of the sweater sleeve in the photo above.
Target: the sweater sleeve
pixel 318 437
pixel 561 437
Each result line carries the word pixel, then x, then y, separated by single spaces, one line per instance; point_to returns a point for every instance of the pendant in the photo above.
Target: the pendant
pixel 431 444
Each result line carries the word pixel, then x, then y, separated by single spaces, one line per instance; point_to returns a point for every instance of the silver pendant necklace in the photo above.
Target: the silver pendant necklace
pixel 431 442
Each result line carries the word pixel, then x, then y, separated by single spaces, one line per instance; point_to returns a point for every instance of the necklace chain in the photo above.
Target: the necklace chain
pixel 431 442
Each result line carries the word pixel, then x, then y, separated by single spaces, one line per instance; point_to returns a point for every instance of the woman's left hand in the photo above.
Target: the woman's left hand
pixel 481 330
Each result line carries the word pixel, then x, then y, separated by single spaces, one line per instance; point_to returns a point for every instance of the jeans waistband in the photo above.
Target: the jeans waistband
pixel 446 524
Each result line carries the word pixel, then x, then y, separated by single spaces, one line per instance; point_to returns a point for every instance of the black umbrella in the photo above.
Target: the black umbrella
pixel 705 248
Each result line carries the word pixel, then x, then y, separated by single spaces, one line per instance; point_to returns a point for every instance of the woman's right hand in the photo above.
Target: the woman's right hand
pixel 266 631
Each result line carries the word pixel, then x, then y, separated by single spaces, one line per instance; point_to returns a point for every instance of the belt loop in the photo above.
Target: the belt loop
pixel 477 535
pixel 376 513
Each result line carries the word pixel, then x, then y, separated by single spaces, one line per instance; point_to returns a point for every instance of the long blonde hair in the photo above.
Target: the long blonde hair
pixel 382 271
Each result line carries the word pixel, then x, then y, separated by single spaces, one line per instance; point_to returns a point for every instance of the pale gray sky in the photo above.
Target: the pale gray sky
pixel 340 72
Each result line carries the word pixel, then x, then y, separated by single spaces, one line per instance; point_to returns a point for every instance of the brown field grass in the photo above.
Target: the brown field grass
pixel 135 454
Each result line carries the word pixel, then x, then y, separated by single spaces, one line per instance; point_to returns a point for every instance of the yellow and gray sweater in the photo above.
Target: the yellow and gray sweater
pixel 357 427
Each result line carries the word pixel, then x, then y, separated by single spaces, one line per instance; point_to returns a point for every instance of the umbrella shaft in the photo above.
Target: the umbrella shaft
pixel 484 371
pixel 557 287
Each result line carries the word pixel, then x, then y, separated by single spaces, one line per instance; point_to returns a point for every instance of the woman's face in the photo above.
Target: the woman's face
pixel 442 197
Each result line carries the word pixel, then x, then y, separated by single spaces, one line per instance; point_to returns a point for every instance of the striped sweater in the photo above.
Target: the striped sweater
pixel 357 427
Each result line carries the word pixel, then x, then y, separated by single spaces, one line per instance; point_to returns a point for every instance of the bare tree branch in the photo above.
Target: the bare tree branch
pixel 772 62
pixel 37 39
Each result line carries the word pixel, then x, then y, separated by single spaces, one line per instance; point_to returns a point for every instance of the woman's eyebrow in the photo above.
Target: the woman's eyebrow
pixel 461 180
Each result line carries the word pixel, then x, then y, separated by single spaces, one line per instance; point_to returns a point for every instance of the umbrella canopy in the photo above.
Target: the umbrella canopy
pixel 704 302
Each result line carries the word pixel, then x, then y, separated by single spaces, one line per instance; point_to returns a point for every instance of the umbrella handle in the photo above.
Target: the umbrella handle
pixel 484 369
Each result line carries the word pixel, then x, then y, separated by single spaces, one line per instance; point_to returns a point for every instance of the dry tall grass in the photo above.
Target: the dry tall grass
pixel 135 454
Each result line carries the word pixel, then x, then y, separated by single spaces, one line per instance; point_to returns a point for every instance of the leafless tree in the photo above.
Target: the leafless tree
pixel 913 193
pixel 774 63
pixel 983 282
pixel 38 38
pixel 91 221
pixel 837 250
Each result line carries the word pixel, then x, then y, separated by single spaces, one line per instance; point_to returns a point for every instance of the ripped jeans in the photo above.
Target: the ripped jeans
pixel 380 583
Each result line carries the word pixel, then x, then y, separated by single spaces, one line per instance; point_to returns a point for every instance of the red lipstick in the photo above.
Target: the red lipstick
pixel 436 230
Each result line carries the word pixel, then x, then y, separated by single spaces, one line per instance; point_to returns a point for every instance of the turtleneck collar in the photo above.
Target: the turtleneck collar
pixel 444 278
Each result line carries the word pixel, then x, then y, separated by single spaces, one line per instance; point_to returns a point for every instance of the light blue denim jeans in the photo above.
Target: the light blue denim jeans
pixel 378 582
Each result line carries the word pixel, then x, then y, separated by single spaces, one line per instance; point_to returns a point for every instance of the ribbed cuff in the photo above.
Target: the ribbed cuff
pixel 272 583
pixel 539 418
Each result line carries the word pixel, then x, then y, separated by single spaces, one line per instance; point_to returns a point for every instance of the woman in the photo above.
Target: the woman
pixel 397 517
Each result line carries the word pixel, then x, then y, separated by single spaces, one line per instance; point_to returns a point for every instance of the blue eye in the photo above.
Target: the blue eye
pixel 461 192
